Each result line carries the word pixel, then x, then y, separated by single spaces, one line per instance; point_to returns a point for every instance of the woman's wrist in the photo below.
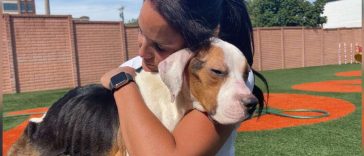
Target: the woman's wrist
pixel 127 88
pixel 106 78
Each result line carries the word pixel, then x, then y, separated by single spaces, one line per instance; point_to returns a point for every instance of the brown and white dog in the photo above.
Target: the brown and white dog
pixel 216 82
pixel 213 81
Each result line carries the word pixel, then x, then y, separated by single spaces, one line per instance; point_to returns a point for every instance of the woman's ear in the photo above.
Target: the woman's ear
pixel 171 70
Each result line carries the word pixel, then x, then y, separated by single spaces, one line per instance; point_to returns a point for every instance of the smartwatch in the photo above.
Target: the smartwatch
pixel 119 80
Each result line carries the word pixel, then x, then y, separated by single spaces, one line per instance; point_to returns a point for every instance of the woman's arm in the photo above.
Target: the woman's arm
pixel 144 134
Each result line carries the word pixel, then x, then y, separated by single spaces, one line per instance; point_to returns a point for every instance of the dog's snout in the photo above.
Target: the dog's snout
pixel 249 101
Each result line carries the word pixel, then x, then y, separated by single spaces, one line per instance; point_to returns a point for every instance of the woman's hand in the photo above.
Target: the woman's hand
pixel 105 79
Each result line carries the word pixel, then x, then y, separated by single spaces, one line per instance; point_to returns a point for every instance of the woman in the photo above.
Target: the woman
pixel 167 26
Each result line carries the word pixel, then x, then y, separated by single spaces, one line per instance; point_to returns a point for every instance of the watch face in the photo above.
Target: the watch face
pixel 118 80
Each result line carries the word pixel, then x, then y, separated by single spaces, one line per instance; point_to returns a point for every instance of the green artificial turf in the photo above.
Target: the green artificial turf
pixel 10 122
pixel 335 137
pixel 22 101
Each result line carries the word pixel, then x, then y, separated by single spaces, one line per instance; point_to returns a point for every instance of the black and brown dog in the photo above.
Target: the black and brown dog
pixel 83 122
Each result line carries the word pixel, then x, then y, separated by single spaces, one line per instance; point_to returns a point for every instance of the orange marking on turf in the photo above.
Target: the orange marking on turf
pixel 10 136
pixel 336 107
pixel 338 86
pixel 349 73
pixel 35 110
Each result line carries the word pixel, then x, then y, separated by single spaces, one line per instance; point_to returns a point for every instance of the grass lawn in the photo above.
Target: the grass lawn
pixel 335 137
pixel 21 101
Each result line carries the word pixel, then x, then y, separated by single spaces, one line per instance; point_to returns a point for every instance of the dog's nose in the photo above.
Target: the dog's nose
pixel 249 101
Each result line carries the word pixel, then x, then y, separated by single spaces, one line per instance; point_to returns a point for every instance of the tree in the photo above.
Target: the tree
pixel 132 22
pixel 268 13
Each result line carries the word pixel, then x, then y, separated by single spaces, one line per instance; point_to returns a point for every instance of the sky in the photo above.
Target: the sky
pixel 97 10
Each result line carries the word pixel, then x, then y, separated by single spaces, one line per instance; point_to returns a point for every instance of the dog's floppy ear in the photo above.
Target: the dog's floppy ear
pixel 171 70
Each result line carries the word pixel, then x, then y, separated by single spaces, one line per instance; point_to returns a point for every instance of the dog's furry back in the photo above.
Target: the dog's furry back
pixel 83 122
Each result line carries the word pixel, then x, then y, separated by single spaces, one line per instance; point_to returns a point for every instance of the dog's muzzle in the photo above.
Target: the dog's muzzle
pixel 250 102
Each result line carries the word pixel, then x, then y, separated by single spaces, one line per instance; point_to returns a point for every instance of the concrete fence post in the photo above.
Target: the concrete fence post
pixel 124 41
pixel 303 47
pixel 282 49
pixel 322 45
pixel 14 75
pixel 259 49
pixel 74 52
pixel 1 58
pixel 339 40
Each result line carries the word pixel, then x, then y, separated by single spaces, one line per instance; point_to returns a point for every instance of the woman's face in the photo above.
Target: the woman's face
pixel 157 40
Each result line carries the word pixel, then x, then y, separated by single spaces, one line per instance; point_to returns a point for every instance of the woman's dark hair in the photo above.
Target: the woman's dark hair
pixel 198 20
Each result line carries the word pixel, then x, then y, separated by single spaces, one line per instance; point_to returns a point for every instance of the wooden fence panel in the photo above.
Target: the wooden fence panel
pixel 271 49
pixel 293 48
pixel 99 49
pixel 53 52
pixel 313 47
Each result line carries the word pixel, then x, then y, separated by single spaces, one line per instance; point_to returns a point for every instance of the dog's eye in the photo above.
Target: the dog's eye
pixel 218 72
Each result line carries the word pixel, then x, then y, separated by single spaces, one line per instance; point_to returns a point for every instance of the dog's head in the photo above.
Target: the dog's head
pixel 217 79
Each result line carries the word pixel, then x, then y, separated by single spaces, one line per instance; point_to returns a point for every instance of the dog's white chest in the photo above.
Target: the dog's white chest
pixel 158 99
